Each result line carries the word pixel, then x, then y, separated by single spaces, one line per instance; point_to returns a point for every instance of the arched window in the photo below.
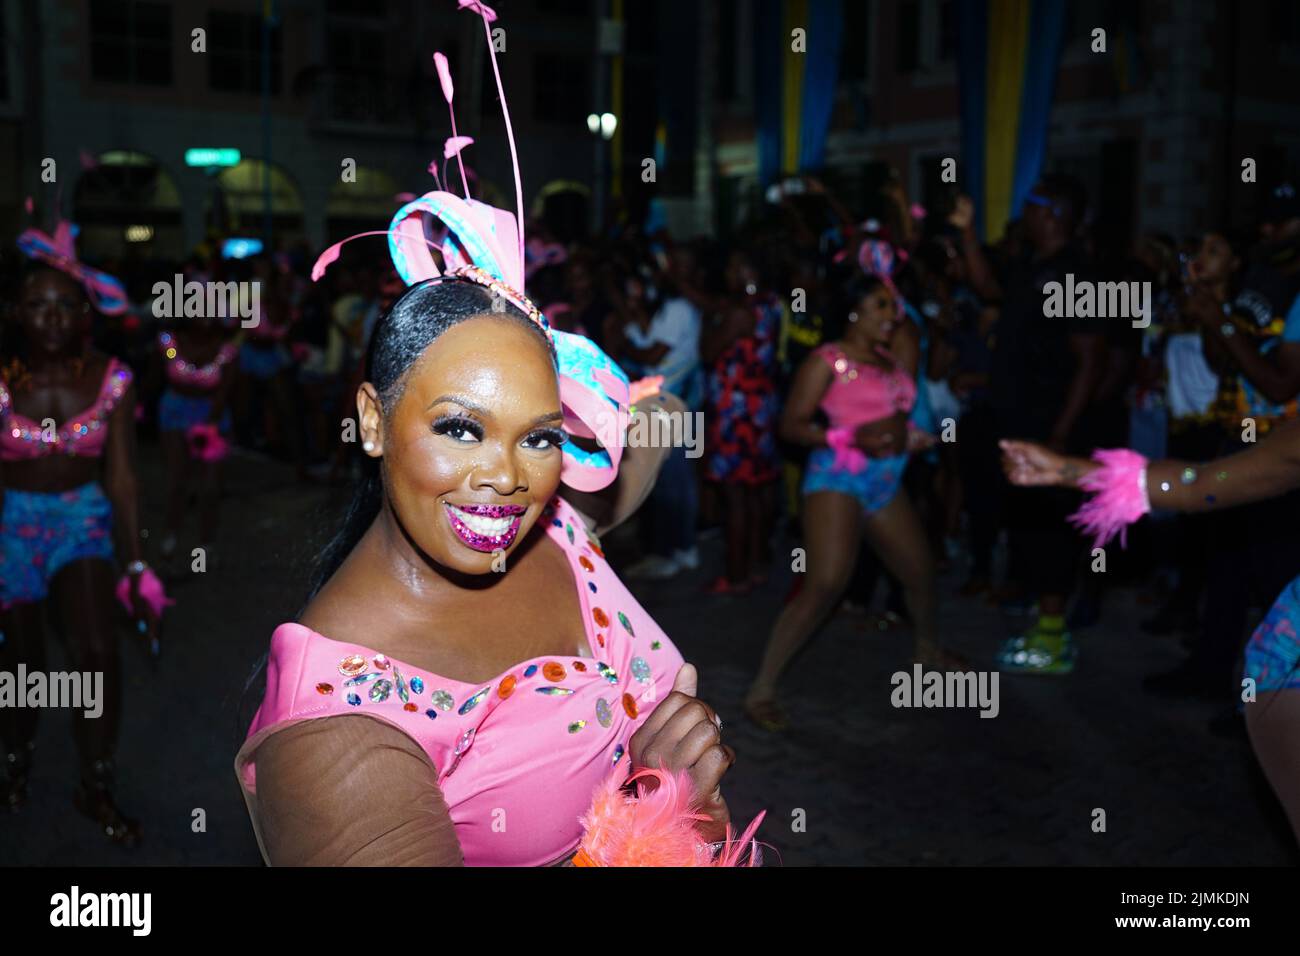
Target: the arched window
pixel 238 202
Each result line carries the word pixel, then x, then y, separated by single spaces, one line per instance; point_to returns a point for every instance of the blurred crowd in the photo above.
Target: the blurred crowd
pixel 728 325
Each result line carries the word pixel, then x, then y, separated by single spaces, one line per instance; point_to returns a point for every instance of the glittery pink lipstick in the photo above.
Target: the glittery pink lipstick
pixel 485 527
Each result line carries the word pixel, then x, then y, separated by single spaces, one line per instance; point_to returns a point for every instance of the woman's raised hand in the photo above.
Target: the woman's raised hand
pixel 684 733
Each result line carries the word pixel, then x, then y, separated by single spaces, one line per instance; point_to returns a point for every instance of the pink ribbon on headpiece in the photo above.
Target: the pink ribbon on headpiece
pixel 59 251
pixel 877 257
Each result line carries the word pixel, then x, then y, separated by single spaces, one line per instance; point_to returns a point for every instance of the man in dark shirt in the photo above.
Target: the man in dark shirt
pixel 1044 373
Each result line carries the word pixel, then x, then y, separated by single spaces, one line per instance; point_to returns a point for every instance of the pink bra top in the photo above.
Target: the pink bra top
pixel 861 393
pixel 533 741
pixel 83 436
pixel 181 372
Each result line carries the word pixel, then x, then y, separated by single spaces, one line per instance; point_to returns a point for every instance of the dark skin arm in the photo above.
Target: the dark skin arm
pixel 797 424
pixel 1089 359
pixel 1276 374
pixel 1269 469
pixel 977 266
pixel 122 488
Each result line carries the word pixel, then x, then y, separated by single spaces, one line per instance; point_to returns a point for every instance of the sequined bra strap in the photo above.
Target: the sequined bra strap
pixel 117 378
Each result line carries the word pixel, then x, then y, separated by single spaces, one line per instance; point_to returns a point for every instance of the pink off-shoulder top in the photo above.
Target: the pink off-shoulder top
pixel 528 746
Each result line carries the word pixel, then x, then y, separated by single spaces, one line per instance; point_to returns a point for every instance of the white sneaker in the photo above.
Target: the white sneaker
pixel 653 568
pixel 688 559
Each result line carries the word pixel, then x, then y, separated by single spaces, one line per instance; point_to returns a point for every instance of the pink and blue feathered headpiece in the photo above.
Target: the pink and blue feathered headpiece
pixel 59 250
pixel 485 244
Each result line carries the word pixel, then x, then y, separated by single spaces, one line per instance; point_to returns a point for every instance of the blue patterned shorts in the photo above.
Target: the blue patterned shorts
pixel 873 486
pixel 177 412
pixel 40 534
pixel 1273 652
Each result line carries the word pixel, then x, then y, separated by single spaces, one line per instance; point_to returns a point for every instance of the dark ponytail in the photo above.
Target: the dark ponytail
pixel 417 318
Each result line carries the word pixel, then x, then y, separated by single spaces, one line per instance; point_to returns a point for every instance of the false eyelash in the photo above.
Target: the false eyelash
pixel 555 436
pixel 446 423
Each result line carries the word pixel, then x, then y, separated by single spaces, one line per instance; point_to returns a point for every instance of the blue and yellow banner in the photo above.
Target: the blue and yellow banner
pixel 795 84
pixel 1009 51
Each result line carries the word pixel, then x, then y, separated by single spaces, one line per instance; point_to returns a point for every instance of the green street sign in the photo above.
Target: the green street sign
pixel 212 157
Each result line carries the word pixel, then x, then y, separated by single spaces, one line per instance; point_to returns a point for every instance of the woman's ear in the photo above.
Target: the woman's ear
pixel 369 415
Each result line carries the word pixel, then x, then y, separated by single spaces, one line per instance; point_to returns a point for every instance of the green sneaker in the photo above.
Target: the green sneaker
pixel 1038 653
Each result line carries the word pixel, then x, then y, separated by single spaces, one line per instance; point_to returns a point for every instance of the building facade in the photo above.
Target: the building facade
pixel 1157 127
pixel 115 92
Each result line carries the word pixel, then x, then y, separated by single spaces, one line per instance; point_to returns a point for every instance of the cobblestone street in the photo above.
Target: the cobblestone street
pixel 875 784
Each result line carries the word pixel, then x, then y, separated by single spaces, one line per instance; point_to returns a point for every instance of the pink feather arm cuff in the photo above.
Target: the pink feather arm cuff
pixel 654 828
pixel 1119 496
pixel 151 592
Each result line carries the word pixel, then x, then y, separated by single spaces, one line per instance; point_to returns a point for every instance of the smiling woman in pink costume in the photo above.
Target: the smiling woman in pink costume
pixel 470 670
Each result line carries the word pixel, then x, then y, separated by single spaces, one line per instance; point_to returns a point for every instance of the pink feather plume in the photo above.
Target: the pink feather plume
pixel 444 76
pixel 656 827
pixel 454 145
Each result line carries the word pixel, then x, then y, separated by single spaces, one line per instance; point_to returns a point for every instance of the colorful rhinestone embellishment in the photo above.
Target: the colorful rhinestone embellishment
pixel 352 665
pixel 553 672
pixel 474 701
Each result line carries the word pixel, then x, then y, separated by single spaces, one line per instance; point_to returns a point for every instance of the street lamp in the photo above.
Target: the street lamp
pixel 602 125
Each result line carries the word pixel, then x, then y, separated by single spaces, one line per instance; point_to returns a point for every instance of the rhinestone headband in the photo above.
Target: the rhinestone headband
pixel 496 286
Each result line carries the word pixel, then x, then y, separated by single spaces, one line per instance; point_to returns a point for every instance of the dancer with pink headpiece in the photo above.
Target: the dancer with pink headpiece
pixel 69 488
pixel 852 482
pixel 469 671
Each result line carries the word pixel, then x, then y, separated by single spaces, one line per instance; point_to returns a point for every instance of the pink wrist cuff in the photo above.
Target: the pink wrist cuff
pixel 848 456
pixel 1119 496
pixel 151 592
